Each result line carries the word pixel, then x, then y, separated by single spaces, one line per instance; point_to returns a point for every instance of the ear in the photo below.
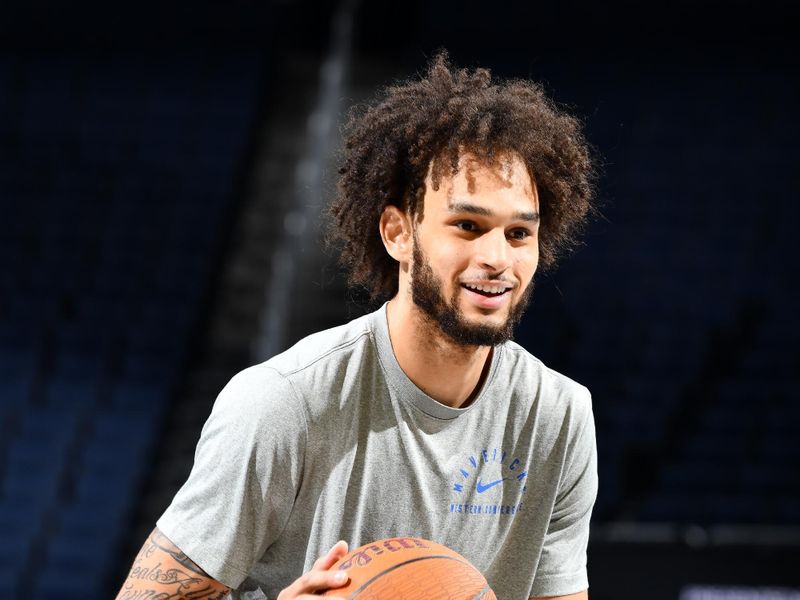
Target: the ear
pixel 395 228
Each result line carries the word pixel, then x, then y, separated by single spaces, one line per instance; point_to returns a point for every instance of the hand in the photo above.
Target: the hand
pixel 319 578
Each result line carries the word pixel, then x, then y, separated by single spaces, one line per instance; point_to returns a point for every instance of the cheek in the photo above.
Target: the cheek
pixel 526 269
pixel 527 261
pixel 449 258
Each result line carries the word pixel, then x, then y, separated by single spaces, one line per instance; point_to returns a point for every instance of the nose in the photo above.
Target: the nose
pixel 493 251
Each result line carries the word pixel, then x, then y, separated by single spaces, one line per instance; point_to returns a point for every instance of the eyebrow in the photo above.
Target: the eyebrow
pixel 466 207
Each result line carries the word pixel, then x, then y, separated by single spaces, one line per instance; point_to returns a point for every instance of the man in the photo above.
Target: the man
pixel 422 418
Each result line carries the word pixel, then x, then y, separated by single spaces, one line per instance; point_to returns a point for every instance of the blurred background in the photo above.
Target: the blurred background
pixel 162 171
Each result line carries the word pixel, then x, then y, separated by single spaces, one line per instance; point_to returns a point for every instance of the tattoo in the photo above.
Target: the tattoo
pixel 160 541
pixel 189 583
pixel 129 593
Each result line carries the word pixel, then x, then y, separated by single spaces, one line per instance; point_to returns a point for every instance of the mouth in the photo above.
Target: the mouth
pixel 494 290
pixel 488 295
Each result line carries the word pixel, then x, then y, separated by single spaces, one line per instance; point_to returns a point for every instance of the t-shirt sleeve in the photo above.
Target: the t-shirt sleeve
pixel 562 565
pixel 245 476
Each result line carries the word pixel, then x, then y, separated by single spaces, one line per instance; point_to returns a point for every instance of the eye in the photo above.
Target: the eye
pixel 519 234
pixel 468 226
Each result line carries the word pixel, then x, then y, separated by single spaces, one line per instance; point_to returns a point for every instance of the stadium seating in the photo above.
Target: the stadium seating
pixel 115 175
pixel 678 314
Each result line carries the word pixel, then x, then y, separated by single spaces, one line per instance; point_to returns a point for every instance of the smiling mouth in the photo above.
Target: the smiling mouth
pixel 488 291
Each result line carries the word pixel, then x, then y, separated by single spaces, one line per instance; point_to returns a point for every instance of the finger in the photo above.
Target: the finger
pixel 314 581
pixel 338 550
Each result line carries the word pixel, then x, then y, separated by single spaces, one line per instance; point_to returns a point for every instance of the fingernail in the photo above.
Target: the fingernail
pixel 340 576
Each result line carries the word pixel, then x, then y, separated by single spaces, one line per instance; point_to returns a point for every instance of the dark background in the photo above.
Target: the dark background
pixel 162 168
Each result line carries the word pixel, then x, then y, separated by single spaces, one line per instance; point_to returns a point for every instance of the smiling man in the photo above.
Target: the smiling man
pixel 423 418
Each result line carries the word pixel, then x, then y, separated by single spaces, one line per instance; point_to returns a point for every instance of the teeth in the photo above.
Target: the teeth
pixel 486 288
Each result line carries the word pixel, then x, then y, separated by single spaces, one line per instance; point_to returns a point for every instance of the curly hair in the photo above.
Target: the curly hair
pixel 427 124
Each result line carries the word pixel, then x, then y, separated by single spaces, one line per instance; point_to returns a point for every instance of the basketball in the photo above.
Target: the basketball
pixel 407 568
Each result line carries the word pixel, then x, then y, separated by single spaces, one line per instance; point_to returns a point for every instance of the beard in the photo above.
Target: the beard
pixel 427 294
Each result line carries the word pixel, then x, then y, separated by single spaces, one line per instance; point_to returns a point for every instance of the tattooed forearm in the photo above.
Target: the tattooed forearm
pixel 129 593
pixel 161 571
pixel 160 541
pixel 142 594
pixel 159 575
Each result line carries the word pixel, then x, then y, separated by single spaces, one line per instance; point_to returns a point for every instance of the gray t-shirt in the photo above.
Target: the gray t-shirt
pixel 331 440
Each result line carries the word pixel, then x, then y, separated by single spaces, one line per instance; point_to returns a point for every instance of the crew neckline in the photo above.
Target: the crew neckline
pixel 407 389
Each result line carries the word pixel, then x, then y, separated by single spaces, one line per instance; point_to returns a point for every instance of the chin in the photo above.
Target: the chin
pixel 487 319
pixel 486 316
pixel 497 324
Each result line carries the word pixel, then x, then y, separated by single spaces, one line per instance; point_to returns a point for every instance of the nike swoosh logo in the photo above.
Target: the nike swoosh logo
pixel 480 488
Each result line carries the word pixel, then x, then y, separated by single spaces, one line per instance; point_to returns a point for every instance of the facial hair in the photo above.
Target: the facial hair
pixel 427 294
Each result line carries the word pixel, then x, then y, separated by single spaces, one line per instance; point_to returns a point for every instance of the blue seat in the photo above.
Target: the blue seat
pixel 150 399
pixel 27 452
pixel 150 370
pixel 122 460
pixel 117 494
pixel 15 551
pixel 34 308
pixel 82 335
pixel 90 521
pixel 10 581
pixel 81 364
pixel 20 519
pixel 40 488
pixel 93 556
pixel 48 427
pixel 72 394
pixel 94 308
pixel 18 360
pixel 67 583
pixel 15 390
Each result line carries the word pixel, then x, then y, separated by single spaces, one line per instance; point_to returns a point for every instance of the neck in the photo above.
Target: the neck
pixel 448 372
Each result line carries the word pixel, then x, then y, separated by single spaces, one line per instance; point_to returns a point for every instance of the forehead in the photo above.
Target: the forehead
pixel 505 179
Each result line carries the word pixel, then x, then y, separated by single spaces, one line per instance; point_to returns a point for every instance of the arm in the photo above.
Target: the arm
pixel 161 570
pixel 584 595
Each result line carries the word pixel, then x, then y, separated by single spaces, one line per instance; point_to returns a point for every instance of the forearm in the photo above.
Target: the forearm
pixel 161 571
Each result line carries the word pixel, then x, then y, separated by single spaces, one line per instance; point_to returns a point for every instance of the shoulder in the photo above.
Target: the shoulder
pixel 255 397
pixel 337 344
pixel 280 389
pixel 552 391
